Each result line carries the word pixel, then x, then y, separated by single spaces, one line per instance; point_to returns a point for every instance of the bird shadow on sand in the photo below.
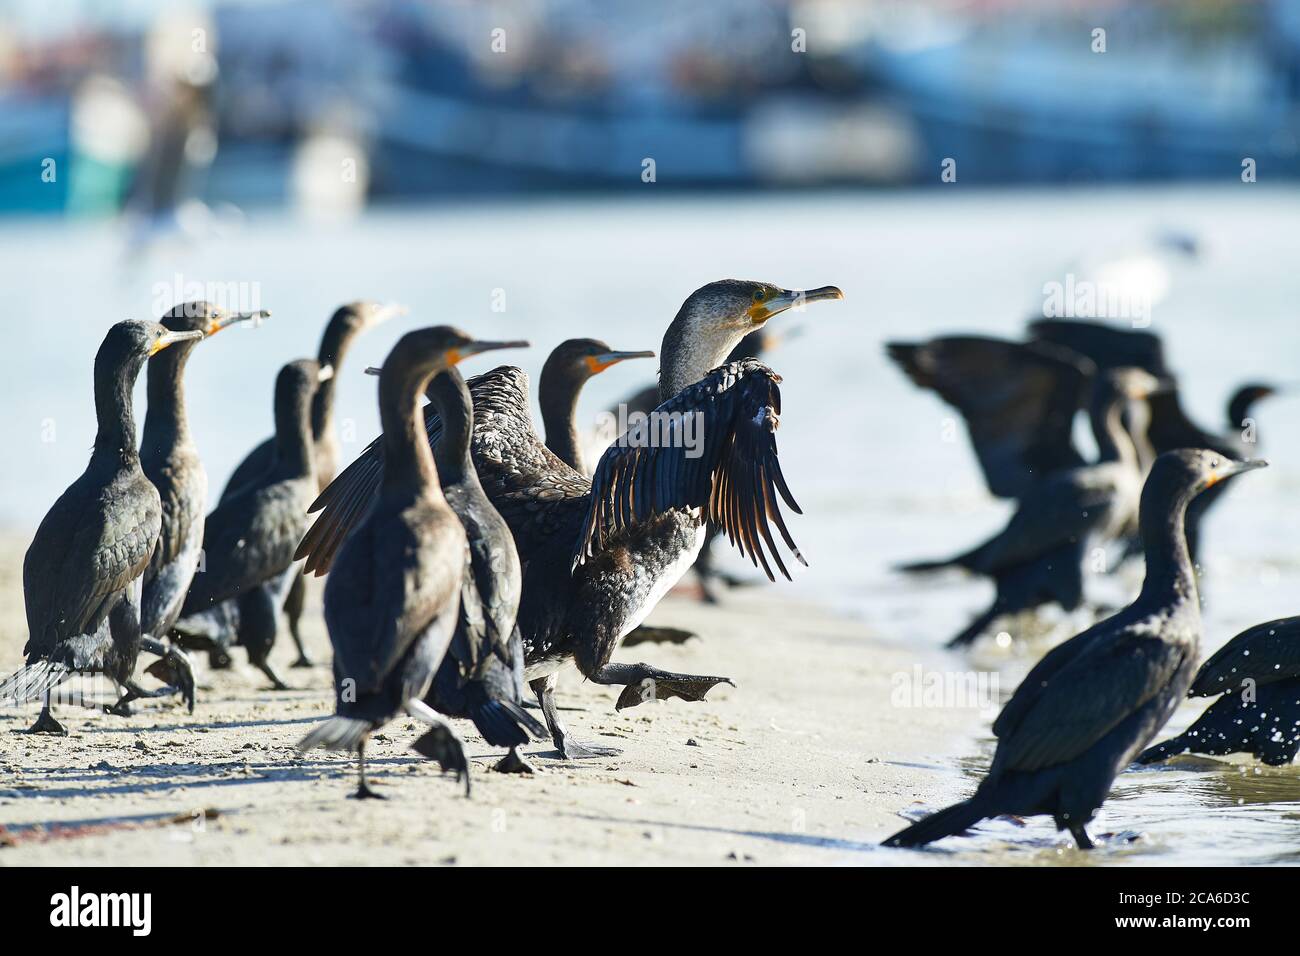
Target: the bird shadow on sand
pixel 160 777
pixel 775 836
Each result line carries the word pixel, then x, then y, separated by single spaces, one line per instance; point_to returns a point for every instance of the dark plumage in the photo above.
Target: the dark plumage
pixel 83 574
pixel 1169 426
pixel 1256 677
pixel 627 550
pixel 250 537
pixel 1038 557
pixel 393 598
pixel 171 461
pixel 1092 703
pixel 481 677
pixel 345 325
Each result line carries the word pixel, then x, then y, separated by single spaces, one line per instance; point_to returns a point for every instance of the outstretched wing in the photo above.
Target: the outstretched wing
pixel 1264 653
pixel 1108 346
pixel 1018 401
pixel 713 447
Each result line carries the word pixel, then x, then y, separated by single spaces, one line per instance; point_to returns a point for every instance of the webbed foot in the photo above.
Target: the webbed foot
pixel 514 762
pixel 47 723
pixel 685 686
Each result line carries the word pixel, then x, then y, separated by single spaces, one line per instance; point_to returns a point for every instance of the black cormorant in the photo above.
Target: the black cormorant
pixel 1092 703
pixel 481 677
pixel 343 328
pixel 171 461
pixel 599 554
pixel 1169 426
pixel 1038 557
pixel 392 598
pixel 249 538
pixel 1257 674
pixel 83 574
pixel 566 370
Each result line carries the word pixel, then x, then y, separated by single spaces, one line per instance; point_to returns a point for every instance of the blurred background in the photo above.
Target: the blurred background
pixel 157 107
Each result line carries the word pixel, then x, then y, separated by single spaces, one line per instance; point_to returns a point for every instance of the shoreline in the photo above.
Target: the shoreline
pixel 807 761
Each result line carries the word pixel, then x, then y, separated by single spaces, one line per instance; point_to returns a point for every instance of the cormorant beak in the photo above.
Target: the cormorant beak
pixel 389 310
pixel 598 363
pixel 325 374
pixel 235 318
pixel 171 338
pixel 1230 468
pixel 791 299
pixel 474 348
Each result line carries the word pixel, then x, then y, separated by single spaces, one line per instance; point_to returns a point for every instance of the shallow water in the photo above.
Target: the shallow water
pixel 862 449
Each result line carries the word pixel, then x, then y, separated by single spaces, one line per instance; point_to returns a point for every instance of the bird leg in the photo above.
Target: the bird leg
pixel 1081 837
pixel 644 683
pixel 265 667
pixel 123 706
pixel 544 688
pixel 440 742
pixel 293 611
pixel 46 723
pixel 363 789
pixel 514 762
pixel 219 660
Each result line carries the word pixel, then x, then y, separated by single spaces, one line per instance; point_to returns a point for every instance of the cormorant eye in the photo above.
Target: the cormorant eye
pixel 759 296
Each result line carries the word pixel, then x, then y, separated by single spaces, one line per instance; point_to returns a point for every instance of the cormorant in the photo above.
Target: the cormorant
pixel 249 538
pixel 1037 558
pixel 1258 675
pixel 392 601
pixel 83 574
pixel 599 554
pixel 569 366
pixel 1169 426
pixel 481 677
pixel 1092 703
pixel 345 325
pixel 170 460
pixel 753 345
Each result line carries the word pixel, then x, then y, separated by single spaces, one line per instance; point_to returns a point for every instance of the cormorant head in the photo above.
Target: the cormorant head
pixel 208 318
pixel 421 354
pixel 349 321
pixel 128 344
pixel 1242 400
pixel 577 360
pixel 715 317
pixel 1132 384
pixel 1192 470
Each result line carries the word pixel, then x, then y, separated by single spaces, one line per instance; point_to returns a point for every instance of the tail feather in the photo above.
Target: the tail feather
pixel 33 681
pixel 946 822
pixel 503 723
pixel 1163 751
pixel 922 567
pixel 337 733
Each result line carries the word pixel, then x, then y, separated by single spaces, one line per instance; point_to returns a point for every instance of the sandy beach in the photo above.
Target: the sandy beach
pixel 804 762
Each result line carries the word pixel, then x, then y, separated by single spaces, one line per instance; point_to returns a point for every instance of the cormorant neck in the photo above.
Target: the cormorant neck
pixel 165 422
pixel 115 441
pixel 408 461
pixel 450 397
pixel 557 394
pixel 293 445
pixel 690 351
pixel 1239 409
pixel 334 345
pixel 1161 521
pixel 1114 444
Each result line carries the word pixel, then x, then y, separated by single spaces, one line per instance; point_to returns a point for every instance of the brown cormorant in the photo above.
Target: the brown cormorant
pixel 599 554
pixel 83 574
pixel 1092 703
pixel 392 599
pixel 1257 674
pixel 249 538
pixel 1038 557
pixel 481 676
pixel 171 461
pixel 345 325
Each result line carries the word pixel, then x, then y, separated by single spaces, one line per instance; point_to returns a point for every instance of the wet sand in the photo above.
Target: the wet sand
pixel 806 761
